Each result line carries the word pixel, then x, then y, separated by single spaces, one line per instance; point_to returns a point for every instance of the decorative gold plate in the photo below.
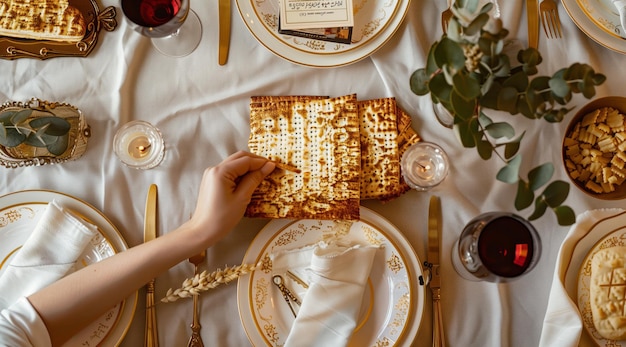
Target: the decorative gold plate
pixel 13 48
pixel 392 306
pixel 19 214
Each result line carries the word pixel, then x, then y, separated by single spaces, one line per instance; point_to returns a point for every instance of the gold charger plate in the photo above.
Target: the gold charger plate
pixel 392 307
pixel 614 234
pixel 20 212
pixel 96 20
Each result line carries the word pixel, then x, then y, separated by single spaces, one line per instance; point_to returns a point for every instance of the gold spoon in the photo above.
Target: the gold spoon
pixel 196 340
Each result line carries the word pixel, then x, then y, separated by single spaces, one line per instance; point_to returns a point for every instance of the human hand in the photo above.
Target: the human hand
pixel 226 191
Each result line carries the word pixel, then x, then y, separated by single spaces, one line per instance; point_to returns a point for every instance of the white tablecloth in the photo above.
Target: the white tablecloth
pixel 202 110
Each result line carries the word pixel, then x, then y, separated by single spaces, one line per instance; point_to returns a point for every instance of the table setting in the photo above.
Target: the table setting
pixel 147 114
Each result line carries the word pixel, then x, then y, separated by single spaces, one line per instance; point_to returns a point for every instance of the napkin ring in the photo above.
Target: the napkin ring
pixel 41 132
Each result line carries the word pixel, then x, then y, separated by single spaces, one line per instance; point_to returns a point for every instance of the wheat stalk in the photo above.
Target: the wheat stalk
pixel 204 281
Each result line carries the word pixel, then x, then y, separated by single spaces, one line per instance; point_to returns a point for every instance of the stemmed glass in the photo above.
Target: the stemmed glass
pixel 175 29
pixel 496 247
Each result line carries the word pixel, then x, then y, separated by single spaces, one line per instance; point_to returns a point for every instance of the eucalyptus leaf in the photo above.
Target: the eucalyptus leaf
pixel 419 82
pixel 507 100
pixel 556 193
pixel 524 196
pixel 21 116
pixel 540 175
pixel 540 209
pixel 59 146
pixel 5 117
pixel 440 88
pixel 13 138
pixel 510 172
pixel 466 86
pixel 500 130
pixel 512 147
pixel 477 24
pixel 449 53
pixel 54 125
pixel 484 149
pixel 463 108
pixel 565 215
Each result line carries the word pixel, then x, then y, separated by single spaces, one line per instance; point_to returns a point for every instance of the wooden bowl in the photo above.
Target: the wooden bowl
pixel 616 102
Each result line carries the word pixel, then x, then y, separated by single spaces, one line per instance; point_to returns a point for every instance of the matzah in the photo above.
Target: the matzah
pixel 380 163
pixel 607 292
pixel 318 136
pixel 54 20
pixel 406 137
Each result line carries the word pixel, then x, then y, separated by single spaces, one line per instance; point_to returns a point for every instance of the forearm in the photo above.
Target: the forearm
pixel 84 295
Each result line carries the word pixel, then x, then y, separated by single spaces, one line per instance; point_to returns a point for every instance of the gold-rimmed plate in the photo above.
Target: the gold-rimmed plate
pixel 392 306
pixel 20 212
pixel 600 27
pixel 96 20
pixel 374 24
pixel 615 236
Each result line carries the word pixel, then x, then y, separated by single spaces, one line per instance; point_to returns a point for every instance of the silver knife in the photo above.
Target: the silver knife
pixel 149 233
pixel 532 11
pixel 434 247
pixel 224 31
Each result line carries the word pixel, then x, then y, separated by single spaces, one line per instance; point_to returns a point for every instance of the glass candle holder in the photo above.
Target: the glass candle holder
pixel 424 165
pixel 139 144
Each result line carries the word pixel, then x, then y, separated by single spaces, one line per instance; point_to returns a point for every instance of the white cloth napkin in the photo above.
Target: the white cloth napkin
pixel 337 276
pixel 48 254
pixel 562 325
pixel 621 8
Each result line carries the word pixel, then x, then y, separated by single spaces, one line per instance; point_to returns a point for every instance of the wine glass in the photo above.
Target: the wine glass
pixel 496 247
pixel 175 29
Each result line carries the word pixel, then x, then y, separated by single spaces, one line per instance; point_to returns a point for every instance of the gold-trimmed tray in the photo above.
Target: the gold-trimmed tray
pixel 13 48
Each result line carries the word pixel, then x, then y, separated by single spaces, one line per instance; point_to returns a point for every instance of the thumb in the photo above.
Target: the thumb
pixel 250 181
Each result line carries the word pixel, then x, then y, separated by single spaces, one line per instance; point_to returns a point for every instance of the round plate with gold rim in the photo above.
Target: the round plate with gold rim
pixel 599 21
pixel 392 306
pixel 19 214
pixel 615 236
pixel 374 24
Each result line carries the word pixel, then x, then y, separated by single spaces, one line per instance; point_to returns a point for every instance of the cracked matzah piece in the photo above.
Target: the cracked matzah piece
pixel 380 162
pixel 54 20
pixel 607 292
pixel 318 136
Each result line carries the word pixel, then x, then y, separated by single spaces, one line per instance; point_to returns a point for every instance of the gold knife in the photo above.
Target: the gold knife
pixel 224 31
pixel 532 11
pixel 149 229
pixel 434 247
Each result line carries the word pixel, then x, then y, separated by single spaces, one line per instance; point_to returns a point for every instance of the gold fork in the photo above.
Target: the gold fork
pixel 550 18
pixel 446 16
pixel 196 340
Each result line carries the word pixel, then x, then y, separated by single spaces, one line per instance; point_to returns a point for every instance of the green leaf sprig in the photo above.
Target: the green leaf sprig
pixel 16 127
pixel 468 71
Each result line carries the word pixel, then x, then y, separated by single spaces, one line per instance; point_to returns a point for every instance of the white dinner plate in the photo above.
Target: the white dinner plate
pixel 596 20
pixel 375 22
pixel 616 236
pixel 597 232
pixel 392 307
pixel 19 214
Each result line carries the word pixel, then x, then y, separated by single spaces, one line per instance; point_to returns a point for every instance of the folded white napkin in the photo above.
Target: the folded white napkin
pixel 48 254
pixel 337 275
pixel 621 9
pixel 562 325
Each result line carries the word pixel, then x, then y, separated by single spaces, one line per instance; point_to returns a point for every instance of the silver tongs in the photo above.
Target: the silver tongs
pixel 287 294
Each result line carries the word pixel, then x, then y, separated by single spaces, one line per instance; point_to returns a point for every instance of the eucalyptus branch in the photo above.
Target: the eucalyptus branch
pixel 467 71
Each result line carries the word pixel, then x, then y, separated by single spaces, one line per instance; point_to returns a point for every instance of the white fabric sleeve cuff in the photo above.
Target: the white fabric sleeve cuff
pixel 20 325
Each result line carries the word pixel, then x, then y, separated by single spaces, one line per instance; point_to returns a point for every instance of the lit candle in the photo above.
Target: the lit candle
pixel 139 145
pixel 424 165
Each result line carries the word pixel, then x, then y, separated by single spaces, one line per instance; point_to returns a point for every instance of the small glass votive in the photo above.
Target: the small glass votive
pixel 139 145
pixel 424 165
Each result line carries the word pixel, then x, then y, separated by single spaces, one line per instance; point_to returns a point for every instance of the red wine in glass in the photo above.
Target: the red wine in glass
pixel 176 30
pixel 496 247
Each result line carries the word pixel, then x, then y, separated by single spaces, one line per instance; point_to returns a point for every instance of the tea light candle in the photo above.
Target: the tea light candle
pixel 139 145
pixel 424 165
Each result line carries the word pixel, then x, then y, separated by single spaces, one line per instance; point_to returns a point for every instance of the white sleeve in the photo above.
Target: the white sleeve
pixel 20 325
